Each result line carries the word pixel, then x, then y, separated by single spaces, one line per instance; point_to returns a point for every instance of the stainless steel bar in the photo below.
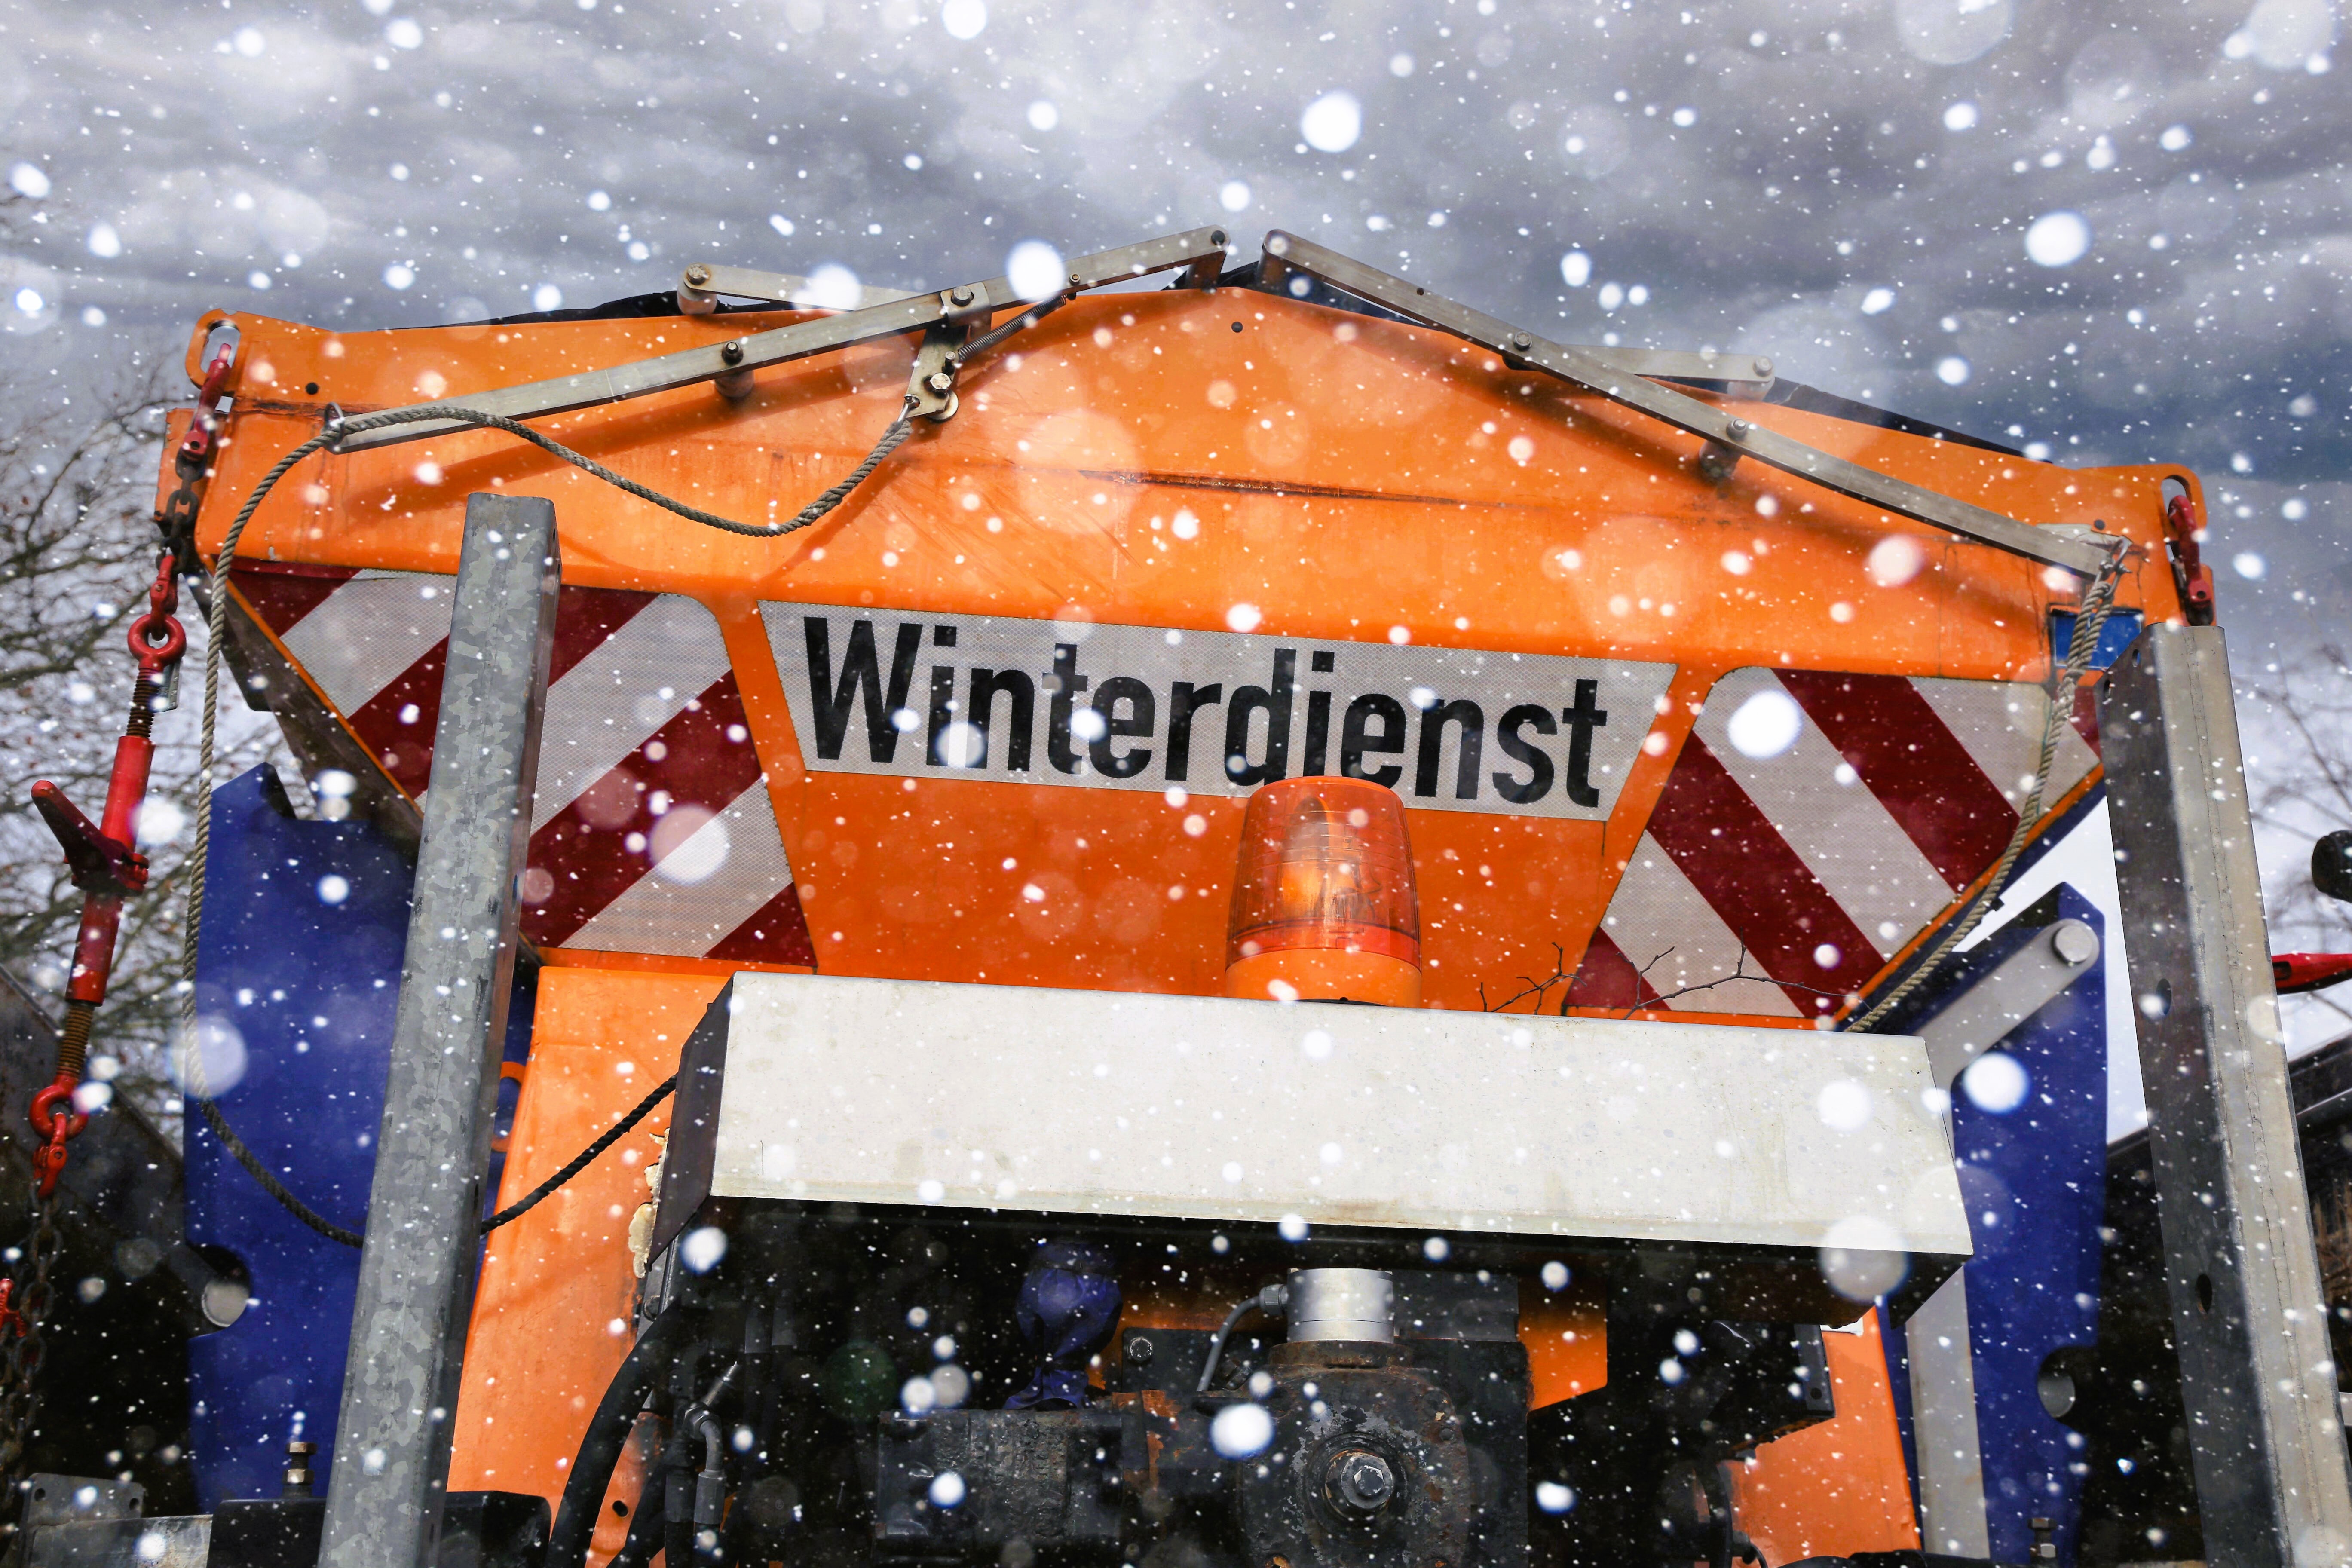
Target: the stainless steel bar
pixel 710 280
pixel 433 1147
pixel 784 344
pixel 1944 1424
pixel 1289 252
pixel 2249 1316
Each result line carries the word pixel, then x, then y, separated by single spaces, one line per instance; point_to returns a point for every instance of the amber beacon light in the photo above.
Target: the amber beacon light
pixel 1324 908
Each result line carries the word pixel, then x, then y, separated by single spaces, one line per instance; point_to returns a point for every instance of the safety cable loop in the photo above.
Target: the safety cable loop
pixel 2090 624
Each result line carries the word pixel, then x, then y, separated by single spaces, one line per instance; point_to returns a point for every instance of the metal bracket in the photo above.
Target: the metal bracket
pixel 781 345
pixel 1581 367
pixel 930 389
pixel 702 283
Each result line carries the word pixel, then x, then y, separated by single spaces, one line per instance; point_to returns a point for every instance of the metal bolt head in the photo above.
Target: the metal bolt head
pixel 1737 428
pixel 2073 943
pixel 698 275
pixel 1763 366
pixel 1140 1349
pixel 1521 341
pixel 940 380
pixel 1360 1482
pixel 960 294
pixel 733 352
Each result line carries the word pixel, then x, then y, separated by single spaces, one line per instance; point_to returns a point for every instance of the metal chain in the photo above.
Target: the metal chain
pixel 20 1362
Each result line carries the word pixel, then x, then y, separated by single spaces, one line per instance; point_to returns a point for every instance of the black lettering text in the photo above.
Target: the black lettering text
pixel 1433 720
pixel 1122 690
pixel 1066 684
pixel 1537 783
pixel 1318 730
pixel 1017 685
pixel 1274 703
pixel 1358 739
pixel 943 712
pixel 859 676
pixel 1582 720
pixel 1183 702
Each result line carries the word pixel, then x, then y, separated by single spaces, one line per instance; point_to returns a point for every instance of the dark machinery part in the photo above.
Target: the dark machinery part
pixel 1319 1451
pixel 1637 1466
pixel 879 1360
pixel 479 1529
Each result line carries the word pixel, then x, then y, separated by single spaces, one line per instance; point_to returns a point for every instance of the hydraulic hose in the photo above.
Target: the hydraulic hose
pixel 1273 1299
pixel 608 1433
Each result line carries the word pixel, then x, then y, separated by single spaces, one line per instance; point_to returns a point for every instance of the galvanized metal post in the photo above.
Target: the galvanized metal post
pixel 2248 1311
pixel 424 1212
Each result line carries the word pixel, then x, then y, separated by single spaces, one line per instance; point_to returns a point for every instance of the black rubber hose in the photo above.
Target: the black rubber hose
pixel 608 1433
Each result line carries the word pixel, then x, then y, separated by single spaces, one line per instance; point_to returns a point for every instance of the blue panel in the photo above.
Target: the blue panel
pixel 2035 1183
pixel 305 973
pixel 2120 632
pixel 2034 1178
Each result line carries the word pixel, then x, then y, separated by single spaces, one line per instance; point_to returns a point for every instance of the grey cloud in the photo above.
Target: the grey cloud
pixel 1811 164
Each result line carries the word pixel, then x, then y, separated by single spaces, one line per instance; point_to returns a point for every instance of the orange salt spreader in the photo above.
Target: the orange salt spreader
pixel 1001 843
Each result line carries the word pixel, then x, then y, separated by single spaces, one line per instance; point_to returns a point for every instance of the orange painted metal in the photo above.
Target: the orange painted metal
pixel 1841 1486
pixel 1349 478
pixel 1150 459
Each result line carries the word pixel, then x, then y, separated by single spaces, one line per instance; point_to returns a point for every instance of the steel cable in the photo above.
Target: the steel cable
pixel 2090 622
pixel 191 1054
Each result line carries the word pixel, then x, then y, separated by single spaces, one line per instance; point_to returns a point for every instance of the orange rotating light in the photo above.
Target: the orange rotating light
pixel 1324 907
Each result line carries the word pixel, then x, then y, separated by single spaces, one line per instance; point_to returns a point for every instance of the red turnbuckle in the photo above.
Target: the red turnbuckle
pixel 2189 572
pixel 104 860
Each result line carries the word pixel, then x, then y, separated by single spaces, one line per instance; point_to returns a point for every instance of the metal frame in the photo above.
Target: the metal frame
pixel 433 1150
pixel 1201 250
pixel 1730 437
pixel 2249 1314
pixel 1623 376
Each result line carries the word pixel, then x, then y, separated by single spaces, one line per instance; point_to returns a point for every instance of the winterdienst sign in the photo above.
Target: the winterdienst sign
pixel 1083 705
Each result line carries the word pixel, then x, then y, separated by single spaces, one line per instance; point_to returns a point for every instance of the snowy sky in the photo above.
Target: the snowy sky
pixel 2117 227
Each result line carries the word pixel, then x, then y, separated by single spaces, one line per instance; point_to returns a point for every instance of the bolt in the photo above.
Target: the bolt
pixel 1737 428
pixel 940 380
pixel 1521 341
pixel 1140 1351
pixel 1763 366
pixel 698 275
pixel 733 352
pixel 1359 1482
pixel 2073 943
pixel 960 294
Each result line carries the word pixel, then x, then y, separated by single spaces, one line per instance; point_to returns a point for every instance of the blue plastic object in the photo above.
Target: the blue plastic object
pixel 297 981
pixel 1069 1303
pixel 2034 1178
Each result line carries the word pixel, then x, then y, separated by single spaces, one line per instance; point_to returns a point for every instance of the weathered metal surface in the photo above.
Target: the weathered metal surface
pixel 2249 1314
pixel 1001 1097
pixel 392 1442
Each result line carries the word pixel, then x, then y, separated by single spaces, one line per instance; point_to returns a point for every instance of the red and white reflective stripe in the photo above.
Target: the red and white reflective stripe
pixel 1779 883
pixel 651 831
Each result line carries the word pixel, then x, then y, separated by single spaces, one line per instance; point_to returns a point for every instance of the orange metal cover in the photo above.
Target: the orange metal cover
pixel 1187 462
